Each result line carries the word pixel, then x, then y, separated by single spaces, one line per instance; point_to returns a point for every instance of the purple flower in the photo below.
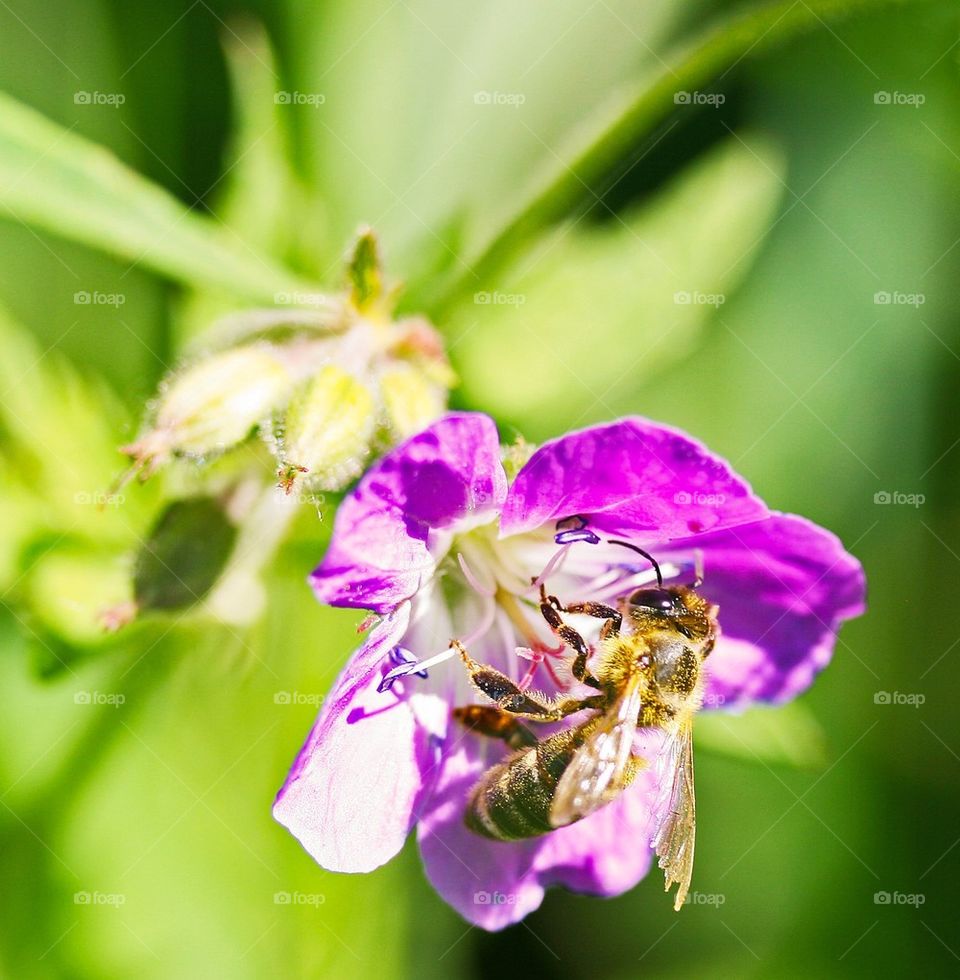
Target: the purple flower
pixel 439 542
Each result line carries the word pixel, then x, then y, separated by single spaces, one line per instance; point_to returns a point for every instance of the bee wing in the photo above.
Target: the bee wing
pixel 676 832
pixel 596 774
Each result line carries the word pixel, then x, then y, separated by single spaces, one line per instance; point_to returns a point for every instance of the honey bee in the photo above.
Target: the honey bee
pixel 647 674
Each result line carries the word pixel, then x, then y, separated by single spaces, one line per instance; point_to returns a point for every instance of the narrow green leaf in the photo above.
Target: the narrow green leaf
pixel 572 329
pixel 635 112
pixel 261 198
pixel 58 181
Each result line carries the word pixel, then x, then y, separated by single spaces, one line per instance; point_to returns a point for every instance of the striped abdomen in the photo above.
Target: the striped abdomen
pixel 513 799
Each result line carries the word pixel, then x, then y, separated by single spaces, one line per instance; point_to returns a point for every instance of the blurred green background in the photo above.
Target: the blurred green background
pixel 739 219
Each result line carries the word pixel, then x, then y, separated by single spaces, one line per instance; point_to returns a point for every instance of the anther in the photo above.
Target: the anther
pixel 573 529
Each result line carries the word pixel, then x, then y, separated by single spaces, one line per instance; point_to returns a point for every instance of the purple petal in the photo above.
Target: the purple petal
pixel 495 883
pixel 783 585
pixel 634 478
pixel 386 531
pixel 356 784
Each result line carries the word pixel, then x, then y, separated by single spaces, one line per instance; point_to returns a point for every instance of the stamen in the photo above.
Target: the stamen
pixel 697 568
pixel 572 529
pixel 569 531
pixel 419 667
pixel 477 586
pixel 601 588
pixel 527 678
pixel 550 567
pixel 401 655
pixel 582 534
pixel 415 667
pixel 540 655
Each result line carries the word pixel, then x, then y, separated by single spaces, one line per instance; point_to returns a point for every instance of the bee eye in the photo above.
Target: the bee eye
pixel 658 599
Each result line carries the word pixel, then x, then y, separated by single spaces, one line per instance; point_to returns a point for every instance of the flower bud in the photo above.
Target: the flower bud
pixel 411 399
pixel 327 432
pixel 214 405
pixel 365 272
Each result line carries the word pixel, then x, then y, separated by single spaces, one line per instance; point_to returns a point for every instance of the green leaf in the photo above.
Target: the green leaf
pixel 598 147
pixel 58 439
pixel 261 198
pixel 572 330
pixel 783 735
pixel 58 181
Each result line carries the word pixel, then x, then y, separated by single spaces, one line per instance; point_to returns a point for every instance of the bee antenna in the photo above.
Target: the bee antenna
pixel 640 551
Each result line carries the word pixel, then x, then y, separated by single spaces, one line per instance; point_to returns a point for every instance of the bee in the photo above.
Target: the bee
pixel 648 674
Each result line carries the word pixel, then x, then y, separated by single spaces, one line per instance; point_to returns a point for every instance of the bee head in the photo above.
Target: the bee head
pixel 676 608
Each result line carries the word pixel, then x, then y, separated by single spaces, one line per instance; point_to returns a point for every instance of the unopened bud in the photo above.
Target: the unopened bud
pixel 214 405
pixel 516 456
pixel 365 272
pixel 327 432
pixel 411 400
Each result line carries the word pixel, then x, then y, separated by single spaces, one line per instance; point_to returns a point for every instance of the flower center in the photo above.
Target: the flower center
pixel 507 576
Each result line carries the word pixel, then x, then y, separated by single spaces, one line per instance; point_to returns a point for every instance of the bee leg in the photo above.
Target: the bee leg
pixel 549 609
pixel 508 697
pixel 495 723
pixel 614 620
